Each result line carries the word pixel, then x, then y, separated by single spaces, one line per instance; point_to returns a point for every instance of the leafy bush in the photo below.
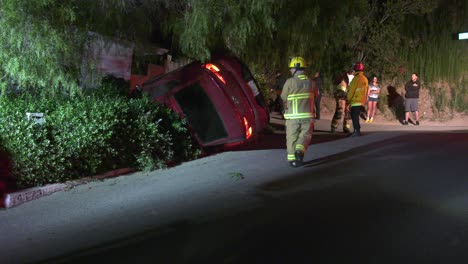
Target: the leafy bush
pixel 460 96
pixel 441 101
pixel 382 103
pixel 88 135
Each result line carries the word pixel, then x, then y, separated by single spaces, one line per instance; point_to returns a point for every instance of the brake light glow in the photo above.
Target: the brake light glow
pixel 248 129
pixel 215 70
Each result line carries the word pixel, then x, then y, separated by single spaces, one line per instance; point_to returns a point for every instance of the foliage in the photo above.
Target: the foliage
pixel 441 100
pixel 41 42
pixel 330 35
pixel 460 96
pixel 382 105
pixel 36 44
pixel 81 137
pixel 430 48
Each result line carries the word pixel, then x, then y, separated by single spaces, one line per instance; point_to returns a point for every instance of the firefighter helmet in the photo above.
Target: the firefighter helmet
pixel 359 66
pixel 297 63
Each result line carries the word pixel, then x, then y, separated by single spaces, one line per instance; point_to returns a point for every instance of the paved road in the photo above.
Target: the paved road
pixel 387 197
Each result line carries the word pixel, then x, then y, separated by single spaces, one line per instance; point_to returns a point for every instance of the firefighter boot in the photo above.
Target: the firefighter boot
pixel 299 157
pixel 346 128
pixel 356 133
pixel 294 163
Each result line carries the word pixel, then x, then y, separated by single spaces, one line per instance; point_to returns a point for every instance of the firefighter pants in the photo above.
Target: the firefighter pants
pixel 355 114
pixel 342 109
pixel 298 135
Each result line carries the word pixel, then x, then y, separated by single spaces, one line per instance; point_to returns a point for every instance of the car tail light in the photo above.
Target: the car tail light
pixel 215 70
pixel 248 129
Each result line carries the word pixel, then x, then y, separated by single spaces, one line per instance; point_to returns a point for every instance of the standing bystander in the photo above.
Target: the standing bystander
pixel 318 82
pixel 350 75
pixel 373 98
pixel 412 98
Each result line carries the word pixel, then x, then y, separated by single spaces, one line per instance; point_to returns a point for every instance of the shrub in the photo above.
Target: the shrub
pixel 382 104
pixel 441 100
pixel 460 96
pixel 86 135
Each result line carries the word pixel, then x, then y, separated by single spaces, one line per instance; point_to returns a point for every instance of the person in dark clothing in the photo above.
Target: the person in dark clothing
pixel 318 82
pixel 412 88
pixel 278 105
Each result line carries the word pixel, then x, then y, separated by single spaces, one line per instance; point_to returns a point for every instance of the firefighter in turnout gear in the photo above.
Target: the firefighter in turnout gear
pixel 342 109
pixel 298 96
pixel 357 96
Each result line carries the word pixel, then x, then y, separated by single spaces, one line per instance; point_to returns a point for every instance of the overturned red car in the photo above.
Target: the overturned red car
pixel 219 99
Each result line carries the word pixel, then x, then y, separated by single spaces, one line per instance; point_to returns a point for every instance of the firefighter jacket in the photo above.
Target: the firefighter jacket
pixel 357 92
pixel 340 91
pixel 299 94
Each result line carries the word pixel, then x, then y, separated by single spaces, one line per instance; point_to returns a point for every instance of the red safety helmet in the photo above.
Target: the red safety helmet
pixel 359 66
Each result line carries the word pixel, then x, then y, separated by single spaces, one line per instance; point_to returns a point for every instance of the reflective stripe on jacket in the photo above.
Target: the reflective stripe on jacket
pixel 298 95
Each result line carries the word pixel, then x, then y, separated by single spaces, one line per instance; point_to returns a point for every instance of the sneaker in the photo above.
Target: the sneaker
pixel 371 120
pixel 417 123
pixel 367 120
pixel 405 123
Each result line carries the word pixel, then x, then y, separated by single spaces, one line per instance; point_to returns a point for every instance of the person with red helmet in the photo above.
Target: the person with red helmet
pixel 357 96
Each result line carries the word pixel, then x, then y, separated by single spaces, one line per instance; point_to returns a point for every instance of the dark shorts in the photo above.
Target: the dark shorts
pixel 372 99
pixel 411 104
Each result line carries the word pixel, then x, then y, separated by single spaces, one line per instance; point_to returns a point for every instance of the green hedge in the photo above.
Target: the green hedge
pixel 90 134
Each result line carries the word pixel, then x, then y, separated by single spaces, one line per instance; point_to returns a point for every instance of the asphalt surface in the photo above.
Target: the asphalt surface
pixel 408 205
pixel 394 195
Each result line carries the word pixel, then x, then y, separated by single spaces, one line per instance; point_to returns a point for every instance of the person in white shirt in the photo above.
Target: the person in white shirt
pixel 372 99
pixel 350 74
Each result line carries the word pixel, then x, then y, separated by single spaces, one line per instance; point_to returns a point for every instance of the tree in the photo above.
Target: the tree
pixel 41 42
pixel 266 33
pixel 382 29
pixel 35 48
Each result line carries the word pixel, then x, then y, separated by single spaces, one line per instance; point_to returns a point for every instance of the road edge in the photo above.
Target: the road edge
pixel 13 199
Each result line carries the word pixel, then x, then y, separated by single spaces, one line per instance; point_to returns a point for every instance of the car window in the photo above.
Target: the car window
pixel 246 74
pixel 201 113
pixel 162 89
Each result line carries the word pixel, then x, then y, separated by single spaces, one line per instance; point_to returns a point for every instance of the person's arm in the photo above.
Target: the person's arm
pixel 284 93
pixel 407 87
pixel 351 90
pixel 367 89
